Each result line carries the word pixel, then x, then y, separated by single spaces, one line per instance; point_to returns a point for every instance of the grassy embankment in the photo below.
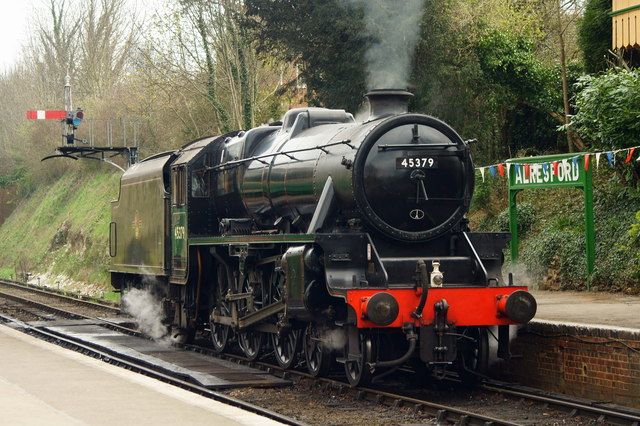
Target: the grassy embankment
pixel 60 232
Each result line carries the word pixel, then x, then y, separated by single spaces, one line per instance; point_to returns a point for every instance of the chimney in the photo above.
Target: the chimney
pixel 386 102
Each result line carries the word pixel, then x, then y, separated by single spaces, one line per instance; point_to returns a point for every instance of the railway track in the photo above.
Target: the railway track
pixel 418 405
pixel 62 303
pixel 443 414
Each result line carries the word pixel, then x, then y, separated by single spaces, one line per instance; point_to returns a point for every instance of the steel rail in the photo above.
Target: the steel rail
pixel 140 368
pixel 68 314
pixel 57 294
pixel 443 413
pixel 571 407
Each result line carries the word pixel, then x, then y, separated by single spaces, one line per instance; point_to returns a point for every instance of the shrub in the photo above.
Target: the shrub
pixel 525 213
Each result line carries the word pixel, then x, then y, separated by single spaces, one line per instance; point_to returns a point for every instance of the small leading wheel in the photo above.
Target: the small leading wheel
pixel 285 347
pixel 473 355
pixel 357 371
pixel 220 333
pixel 318 357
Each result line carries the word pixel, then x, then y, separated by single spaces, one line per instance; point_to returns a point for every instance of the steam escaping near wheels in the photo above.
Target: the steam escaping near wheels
pixel 147 309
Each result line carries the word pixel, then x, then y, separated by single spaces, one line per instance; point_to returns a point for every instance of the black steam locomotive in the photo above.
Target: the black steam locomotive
pixel 342 241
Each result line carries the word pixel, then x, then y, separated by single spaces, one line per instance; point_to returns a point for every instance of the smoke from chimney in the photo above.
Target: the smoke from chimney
pixel 394 27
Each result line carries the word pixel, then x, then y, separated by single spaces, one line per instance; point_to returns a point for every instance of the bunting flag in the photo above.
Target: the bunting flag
pixel 630 154
pixel 611 157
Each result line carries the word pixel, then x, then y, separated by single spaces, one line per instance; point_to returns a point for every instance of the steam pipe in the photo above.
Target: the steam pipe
pixel 412 337
pixel 421 274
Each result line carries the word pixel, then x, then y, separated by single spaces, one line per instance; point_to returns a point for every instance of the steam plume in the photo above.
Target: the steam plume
pixel 147 310
pixel 394 27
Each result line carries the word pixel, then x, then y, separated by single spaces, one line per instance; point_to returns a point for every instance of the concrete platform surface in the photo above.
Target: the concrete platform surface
pixel 610 309
pixel 210 372
pixel 41 383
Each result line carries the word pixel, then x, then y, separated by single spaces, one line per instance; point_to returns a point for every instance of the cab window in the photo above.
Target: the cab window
pixel 178 183
pixel 200 179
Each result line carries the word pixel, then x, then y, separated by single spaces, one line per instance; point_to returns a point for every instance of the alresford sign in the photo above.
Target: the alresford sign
pixel 552 172
pixel 565 170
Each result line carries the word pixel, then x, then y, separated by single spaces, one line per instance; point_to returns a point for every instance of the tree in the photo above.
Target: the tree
pixel 107 40
pixel 53 50
pixel 200 74
pixel 608 109
pixel 515 78
pixel 198 12
pixel 324 37
pixel 594 35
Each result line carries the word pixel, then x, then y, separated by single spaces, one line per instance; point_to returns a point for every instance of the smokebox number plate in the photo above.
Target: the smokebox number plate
pixel 416 163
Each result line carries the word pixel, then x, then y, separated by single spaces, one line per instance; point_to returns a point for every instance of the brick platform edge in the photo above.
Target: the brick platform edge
pixel 594 362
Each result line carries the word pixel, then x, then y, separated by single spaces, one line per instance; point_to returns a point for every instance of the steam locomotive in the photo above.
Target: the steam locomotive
pixel 324 240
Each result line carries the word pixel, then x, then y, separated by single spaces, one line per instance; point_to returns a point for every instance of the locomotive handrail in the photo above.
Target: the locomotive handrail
pixel 416 146
pixel 234 163
pixel 475 253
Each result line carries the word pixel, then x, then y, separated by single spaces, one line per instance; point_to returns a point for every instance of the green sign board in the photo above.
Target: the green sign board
pixel 552 171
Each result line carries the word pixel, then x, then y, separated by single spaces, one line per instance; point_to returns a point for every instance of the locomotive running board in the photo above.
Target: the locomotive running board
pixel 249 319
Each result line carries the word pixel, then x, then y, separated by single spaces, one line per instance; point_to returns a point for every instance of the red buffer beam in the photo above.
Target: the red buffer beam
pixel 46 115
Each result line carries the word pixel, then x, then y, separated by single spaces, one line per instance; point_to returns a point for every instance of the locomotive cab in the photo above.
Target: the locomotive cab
pixel 192 211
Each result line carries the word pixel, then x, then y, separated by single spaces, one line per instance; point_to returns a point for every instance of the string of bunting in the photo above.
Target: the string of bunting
pixel 503 169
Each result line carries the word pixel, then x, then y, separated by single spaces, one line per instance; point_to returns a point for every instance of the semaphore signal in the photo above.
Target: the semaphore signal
pixel 70 119
pixel 47 115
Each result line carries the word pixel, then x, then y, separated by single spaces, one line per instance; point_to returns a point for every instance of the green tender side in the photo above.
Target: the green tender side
pixel 139 221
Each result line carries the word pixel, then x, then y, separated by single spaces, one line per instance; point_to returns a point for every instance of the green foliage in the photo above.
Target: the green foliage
pixel 608 109
pixel 509 61
pixel 7 273
pixel 481 195
pixel 634 230
pixel 12 177
pixel 552 248
pixel 525 95
pixel 63 227
pixel 525 213
pixel 562 251
pixel 594 35
pixel 325 36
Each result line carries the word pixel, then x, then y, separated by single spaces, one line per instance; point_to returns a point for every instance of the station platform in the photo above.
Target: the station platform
pixel 41 383
pixel 583 344
pixel 588 308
